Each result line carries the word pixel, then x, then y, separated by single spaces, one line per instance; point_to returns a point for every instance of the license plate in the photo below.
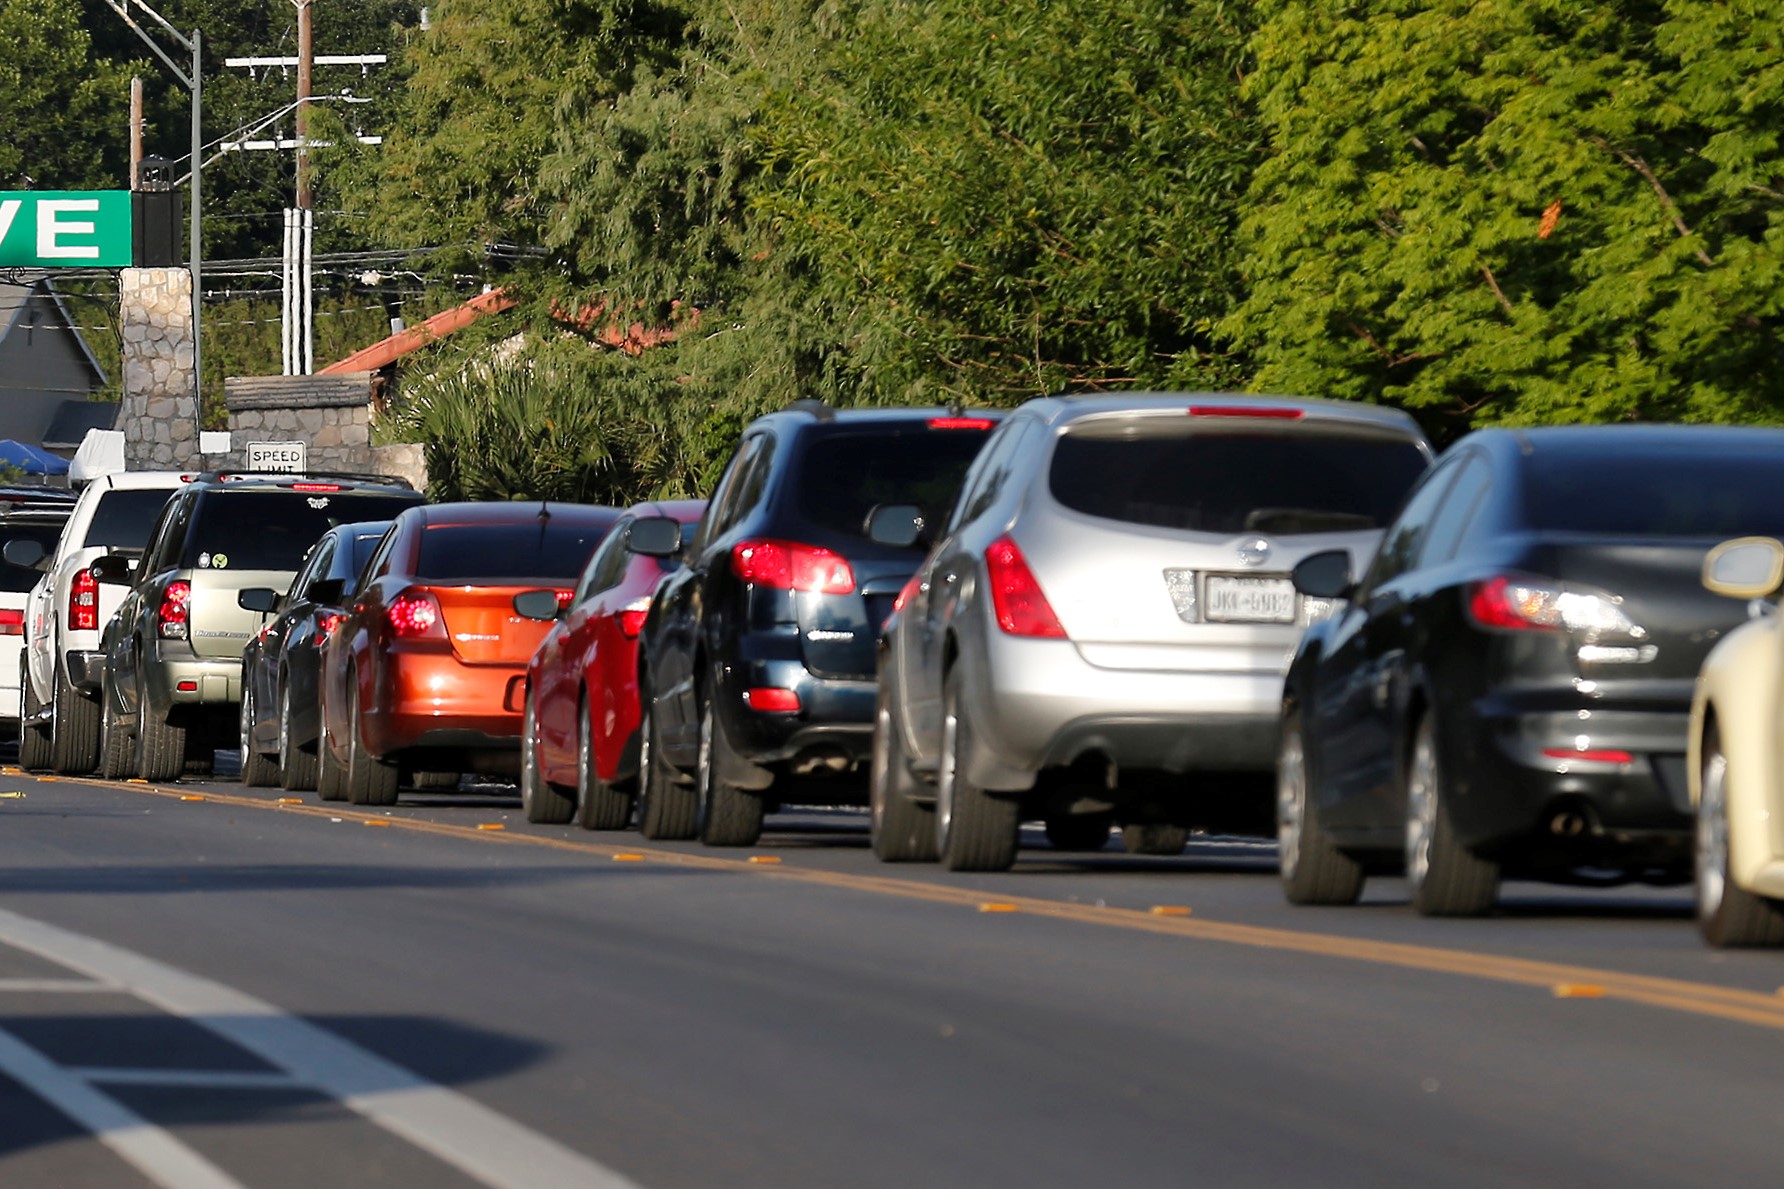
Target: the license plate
pixel 1249 600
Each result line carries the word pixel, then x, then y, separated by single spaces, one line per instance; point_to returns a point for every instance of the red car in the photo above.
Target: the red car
pixel 579 748
pixel 427 671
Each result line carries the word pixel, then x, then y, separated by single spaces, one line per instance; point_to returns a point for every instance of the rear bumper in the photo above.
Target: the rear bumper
pixel 191 681
pixel 432 700
pixel 86 670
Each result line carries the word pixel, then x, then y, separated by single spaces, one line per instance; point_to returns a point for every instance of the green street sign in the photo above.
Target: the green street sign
pixel 65 229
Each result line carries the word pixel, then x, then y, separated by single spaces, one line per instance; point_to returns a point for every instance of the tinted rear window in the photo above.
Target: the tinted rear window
pixel 1234 482
pixel 22 578
pixel 273 530
pixel 556 549
pixel 846 474
pixel 123 517
pixel 1655 493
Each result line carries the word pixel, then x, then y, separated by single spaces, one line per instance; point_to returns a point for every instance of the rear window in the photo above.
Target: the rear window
pixel 273 530
pixel 22 578
pixel 123 516
pixel 1234 482
pixel 1655 494
pixel 845 475
pixel 555 549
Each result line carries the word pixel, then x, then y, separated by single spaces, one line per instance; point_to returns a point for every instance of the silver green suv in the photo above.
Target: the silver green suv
pixel 173 651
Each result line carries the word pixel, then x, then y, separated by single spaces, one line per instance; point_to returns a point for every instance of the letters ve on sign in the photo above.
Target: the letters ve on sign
pixel 65 229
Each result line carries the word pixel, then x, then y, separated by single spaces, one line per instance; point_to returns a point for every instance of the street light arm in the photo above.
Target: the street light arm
pixel 166 61
pixel 167 25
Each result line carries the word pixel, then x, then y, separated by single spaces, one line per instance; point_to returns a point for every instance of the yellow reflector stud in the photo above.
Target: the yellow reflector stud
pixel 764 858
pixel 136 780
pixel 376 821
pixel 1170 910
pixel 291 800
pixel 13 796
pixel 1578 991
pixel 48 779
pixel 625 857
pixel 190 797
pixel 997 906
pixel 491 826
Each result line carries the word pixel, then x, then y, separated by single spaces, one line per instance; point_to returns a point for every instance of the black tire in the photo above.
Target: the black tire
pixel 331 774
pixel 1081 832
pixel 727 815
pixel 1154 838
pixel 542 802
pixel 600 804
pixel 370 779
pixel 974 830
pixel 160 744
pixel 258 772
pixel 34 737
pixel 667 808
pixel 297 766
pixel 902 828
pixel 1445 879
pixel 74 728
pixel 117 750
pixel 1313 870
pixel 1727 914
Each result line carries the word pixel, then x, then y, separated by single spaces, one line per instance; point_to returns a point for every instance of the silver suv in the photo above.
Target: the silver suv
pixel 173 651
pixel 1099 635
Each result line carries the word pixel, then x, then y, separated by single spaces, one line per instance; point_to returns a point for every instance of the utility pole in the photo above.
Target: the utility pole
pixel 136 133
pixel 306 59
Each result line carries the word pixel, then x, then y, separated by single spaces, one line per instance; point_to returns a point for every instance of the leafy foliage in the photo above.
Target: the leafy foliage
pixel 58 101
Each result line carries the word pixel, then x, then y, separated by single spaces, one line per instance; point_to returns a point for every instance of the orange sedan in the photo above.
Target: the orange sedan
pixel 427 672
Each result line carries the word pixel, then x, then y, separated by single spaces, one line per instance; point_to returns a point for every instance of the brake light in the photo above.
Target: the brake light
pixel 1516 603
pixel 1021 606
pixel 175 610
pixel 631 619
pixel 961 423
pixel 776 701
pixel 414 615
pixel 1598 755
pixel 315 487
pixel 326 623
pixel 785 565
pixel 564 596
pixel 1268 412
pixel 12 623
pixel 906 593
pixel 83 602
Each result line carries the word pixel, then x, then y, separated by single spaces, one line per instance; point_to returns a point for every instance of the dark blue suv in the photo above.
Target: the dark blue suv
pixel 757 660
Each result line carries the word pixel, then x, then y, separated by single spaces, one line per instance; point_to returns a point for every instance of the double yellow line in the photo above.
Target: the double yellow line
pixel 1558 979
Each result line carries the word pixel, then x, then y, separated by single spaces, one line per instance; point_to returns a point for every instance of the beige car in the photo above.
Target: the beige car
pixel 1736 763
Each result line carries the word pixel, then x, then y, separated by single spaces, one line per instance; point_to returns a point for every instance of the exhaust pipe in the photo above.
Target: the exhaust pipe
pixel 1569 823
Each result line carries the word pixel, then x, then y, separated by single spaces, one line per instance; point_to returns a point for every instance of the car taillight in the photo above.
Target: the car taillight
pixel 1268 412
pixel 326 623
pixel 83 602
pixel 315 486
pixel 12 622
pixel 785 565
pixel 907 592
pixel 176 608
pixel 772 700
pixel 1517 603
pixel 631 619
pixel 414 615
pixel 961 423
pixel 1021 606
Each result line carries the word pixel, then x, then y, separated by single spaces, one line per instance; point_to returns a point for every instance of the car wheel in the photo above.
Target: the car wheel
pixel 160 744
pixel 331 774
pixel 1313 870
pixel 667 808
pixel 599 804
pixel 257 771
pixel 542 802
pixel 974 829
pixel 297 767
pixel 1446 880
pixel 34 737
pixel 1728 914
pixel 1081 832
pixel 727 815
pixel 116 749
pixel 370 780
pixel 74 727
pixel 902 827
pixel 1154 838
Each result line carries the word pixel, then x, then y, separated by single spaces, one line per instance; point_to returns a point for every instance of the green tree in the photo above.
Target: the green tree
pixel 62 107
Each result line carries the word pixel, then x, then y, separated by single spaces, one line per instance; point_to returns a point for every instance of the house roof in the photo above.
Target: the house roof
pixel 16 298
pixel 68 428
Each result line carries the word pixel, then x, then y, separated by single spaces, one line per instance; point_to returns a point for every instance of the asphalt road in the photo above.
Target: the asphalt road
pixel 230 991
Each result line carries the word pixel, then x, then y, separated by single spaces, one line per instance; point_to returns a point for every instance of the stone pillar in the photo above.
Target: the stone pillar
pixel 159 416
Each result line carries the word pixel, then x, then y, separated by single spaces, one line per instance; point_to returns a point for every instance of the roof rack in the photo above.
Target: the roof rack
pixel 816 408
pixel 304 476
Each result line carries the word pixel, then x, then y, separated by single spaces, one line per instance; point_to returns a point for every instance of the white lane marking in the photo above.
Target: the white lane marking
pixel 484 1145
pixel 153 1152
pixel 196 1079
pixel 53 986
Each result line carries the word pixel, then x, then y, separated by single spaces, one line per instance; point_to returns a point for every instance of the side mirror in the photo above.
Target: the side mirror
pixel 900 525
pixel 654 536
pixel 113 569
pixel 25 553
pixel 539 604
pixel 263 599
pixel 1745 568
pixel 326 591
pixel 1324 575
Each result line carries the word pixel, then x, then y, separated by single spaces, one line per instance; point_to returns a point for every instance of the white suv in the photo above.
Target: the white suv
pixel 67 610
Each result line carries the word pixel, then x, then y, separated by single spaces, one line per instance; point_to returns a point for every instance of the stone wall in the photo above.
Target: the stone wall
pixel 159 415
pixel 330 414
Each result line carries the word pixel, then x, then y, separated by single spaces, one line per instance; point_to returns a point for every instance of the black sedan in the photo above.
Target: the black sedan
pixel 279 665
pixel 1506 691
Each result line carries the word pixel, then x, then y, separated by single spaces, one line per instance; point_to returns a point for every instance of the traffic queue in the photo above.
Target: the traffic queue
pixel 1547 654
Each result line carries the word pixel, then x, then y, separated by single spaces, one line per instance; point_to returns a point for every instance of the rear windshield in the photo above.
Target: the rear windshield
pixel 1235 482
pixel 554 550
pixel 273 530
pixel 123 517
pixel 846 475
pixel 1655 494
pixel 21 578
